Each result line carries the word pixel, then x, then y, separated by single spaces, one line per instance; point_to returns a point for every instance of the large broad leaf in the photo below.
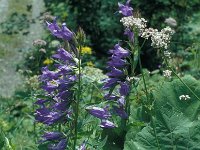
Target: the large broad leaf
pixel 170 130
pixel 175 122
pixel 170 92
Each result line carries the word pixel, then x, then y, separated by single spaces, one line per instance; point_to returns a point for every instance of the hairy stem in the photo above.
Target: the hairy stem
pixel 78 98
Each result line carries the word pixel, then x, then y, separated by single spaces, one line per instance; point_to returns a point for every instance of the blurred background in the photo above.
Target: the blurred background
pixel 26 46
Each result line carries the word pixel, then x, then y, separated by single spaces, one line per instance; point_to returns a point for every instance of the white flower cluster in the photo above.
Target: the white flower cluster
pixel 160 39
pixel 167 73
pixel 184 97
pixel 130 21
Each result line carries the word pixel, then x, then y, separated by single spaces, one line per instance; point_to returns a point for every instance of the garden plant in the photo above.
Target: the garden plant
pixel 106 79
pixel 139 115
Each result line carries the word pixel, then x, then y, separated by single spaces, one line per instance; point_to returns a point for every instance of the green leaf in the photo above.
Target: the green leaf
pixel 169 93
pixel 172 130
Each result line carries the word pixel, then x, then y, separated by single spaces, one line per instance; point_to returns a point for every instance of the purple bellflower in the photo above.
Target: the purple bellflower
pixel 60 142
pixel 125 10
pixel 60 32
pixel 52 136
pixel 101 113
pixel 107 124
pixel 59 146
pixel 130 34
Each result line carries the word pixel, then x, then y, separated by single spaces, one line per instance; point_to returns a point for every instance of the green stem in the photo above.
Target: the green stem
pixel 146 92
pixel 78 98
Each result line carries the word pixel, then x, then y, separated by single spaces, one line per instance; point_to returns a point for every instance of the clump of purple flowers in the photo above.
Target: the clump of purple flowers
pixel 58 85
pixel 117 84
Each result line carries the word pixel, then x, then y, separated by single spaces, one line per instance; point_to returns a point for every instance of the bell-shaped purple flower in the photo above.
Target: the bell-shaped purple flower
pixel 52 136
pixel 107 124
pixel 50 86
pixel 48 117
pixel 125 10
pixel 63 33
pixel 111 97
pixel 61 106
pixel 130 34
pixel 109 83
pixel 101 113
pixel 115 72
pixel 120 52
pixel 121 101
pixel 120 112
pixel 64 69
pixel 59 146
pixel 48 75
pixel 116 62
pixel 63 55
pixel 41 102
pixel 124 88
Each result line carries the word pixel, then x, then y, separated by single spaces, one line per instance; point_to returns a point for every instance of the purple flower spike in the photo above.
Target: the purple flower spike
pixel 130 34
pixel 107 124
pixel 101 113
pixel 125 10
pixel 124 88
pixel 63 33
pixel 60 146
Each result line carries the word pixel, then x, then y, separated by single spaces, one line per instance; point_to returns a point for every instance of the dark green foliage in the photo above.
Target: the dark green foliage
pixel 172 131
pixel 170 92
pixel 175 122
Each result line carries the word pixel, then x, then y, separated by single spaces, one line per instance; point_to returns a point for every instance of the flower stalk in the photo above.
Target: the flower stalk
pixel 78 98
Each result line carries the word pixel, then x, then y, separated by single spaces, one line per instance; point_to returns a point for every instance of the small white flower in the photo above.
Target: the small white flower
pixel 184 97
pixel 167 73
pixel 167 54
